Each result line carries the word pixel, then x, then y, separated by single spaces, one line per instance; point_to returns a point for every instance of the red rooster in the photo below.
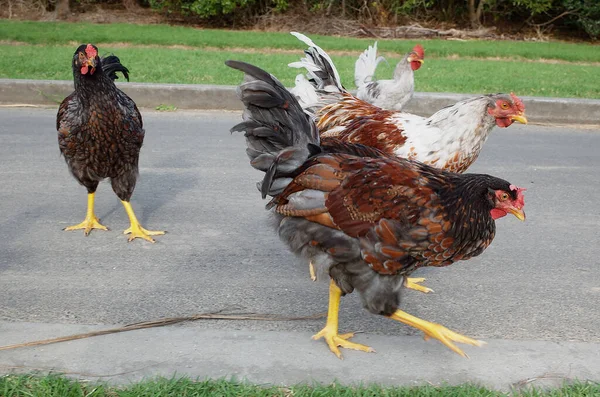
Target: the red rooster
pixel 368 218
pixel 387 94
pixel 100 134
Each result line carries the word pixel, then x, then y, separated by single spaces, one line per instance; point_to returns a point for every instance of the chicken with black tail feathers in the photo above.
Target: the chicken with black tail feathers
pixel 368 218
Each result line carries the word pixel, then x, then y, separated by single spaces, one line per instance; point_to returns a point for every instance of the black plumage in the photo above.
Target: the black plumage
pixel 111 64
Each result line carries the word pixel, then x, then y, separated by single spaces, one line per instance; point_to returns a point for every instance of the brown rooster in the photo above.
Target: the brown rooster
pixel 100 134
pixel 368 218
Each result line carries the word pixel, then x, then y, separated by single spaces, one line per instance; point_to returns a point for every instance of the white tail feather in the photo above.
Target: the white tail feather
pixel 305 93
pixel 365 66
pixel 311 66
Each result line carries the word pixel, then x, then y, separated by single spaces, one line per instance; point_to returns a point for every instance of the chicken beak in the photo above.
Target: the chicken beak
pixel 520 118
pixel 411 59
pixel 91 62
pixel 518 213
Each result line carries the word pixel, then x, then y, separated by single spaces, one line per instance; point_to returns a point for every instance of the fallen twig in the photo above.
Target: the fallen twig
pixel 161 323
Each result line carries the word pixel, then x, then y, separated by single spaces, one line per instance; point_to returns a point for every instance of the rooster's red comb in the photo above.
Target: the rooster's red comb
pixel 518 102
pixel 520 198
pixel 90 51
pixel 418 49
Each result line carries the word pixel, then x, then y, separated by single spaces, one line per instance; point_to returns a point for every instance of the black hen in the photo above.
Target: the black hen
pixel 367 218
pixel 100 134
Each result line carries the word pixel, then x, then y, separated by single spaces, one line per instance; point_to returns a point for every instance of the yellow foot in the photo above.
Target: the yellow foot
pixel 447 336
pixel 138 231
pixel 413 283
pixel 88 224
pixel 437 331
pixel 334 340
pixel 311 270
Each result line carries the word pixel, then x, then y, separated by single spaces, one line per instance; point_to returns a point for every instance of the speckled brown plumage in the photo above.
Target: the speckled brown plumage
pixel 100 133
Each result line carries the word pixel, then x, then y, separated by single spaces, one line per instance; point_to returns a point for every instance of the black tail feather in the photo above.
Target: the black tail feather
pixel 111 64
pixel 280 136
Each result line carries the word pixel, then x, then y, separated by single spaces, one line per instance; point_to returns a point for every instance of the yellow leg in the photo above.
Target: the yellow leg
pixel 91 221
pixel 330 332
pixel 136 229
pixel 311 270
pixel 436 331
pixel 413 283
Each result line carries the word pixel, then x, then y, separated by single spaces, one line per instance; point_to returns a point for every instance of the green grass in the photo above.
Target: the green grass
pixel 167 65
pixel 451 66
pixel 57 386
pixel 164 35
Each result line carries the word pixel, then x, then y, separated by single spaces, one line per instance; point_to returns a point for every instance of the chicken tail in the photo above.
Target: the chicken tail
pixel 306 94
pixel 319 66
pixel 323 85
pixel 111 65
pixel 280 136
pixel 365 66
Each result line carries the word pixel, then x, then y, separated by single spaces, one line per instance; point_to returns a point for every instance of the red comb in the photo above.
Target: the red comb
pixel 90 51
pixel 520 198
pixel 418 49
pixel 518 102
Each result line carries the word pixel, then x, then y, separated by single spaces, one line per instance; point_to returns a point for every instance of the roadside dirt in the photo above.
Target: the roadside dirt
pixel 310 24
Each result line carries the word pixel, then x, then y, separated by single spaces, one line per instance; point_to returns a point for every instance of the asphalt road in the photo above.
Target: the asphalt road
pixel 539 280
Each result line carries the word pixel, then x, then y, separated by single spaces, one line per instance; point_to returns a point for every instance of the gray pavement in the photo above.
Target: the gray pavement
pixel 533 295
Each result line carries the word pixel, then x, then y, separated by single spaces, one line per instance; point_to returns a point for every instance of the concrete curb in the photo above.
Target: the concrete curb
pixel 288 358
pixel 202 97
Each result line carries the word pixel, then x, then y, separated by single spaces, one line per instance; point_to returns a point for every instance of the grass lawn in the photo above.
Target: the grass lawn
pixel 55 386
pixel 165 35
pixel 174 54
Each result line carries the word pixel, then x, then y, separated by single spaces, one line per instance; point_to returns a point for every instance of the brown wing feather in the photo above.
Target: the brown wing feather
pixel 388 204
pixel 355 121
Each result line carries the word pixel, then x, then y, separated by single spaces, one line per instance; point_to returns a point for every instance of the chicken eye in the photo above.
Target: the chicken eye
pixel 504 196
pixel 504 105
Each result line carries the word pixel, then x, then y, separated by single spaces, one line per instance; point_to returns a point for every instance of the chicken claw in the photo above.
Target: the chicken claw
pixel 136 230
pixel 334 340
pixel 88 224
pixel 330 331
pixel 91 221
pixel 413 283
pixel 436 331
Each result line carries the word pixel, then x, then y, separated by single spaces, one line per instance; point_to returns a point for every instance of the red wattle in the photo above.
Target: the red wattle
pixel 84 69
pixel 497 213
pixel 503 122
pixel 414 65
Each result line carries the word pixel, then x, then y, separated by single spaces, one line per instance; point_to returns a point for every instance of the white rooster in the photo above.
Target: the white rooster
pixel 387 94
